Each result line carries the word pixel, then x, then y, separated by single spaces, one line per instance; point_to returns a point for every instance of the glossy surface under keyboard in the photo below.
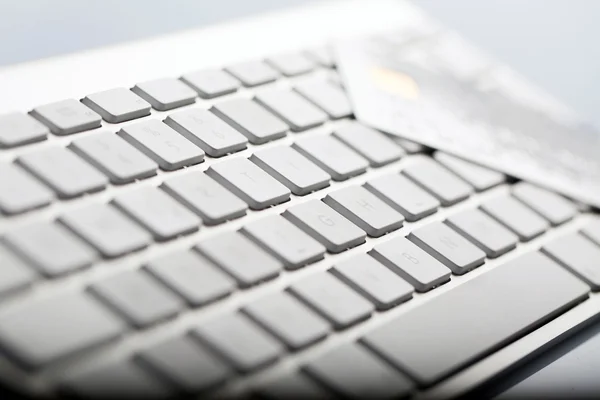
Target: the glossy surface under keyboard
pixel 155 243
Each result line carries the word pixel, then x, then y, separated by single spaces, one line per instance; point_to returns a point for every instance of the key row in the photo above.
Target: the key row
pixel 135 152
pixel 120 104
pixel 300 316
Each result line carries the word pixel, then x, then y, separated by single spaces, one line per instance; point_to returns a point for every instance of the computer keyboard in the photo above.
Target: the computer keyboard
pixel 236 231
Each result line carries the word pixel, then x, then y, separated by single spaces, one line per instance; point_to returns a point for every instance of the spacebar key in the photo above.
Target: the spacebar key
pixel 463 325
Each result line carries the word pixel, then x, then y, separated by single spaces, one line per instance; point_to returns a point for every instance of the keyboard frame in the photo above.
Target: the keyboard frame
pixel 77 75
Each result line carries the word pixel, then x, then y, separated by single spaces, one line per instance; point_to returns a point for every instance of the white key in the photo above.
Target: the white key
pixel 14 274
pixel 285 241
pixel 66 117
pixel 326 225
pixel 240 257
pixel 592 230
pixel 159 213
pixel 437 180
pixel 291 64
pixel 117 105
pixel 20 192
pixel 371 144
pixel 365 210
pixel 516 216
pixel 448 247
pixel 107 229
pixel 51 248
pixel 253 73
pixel 479 177
pixel 116 158
pixel 162 144
pixel 292 169
pixel 249 182
pixel 549 205
pixel 412 263
pixel 327 96
pixel 404 196
pixel 207 131
pixel 481 229
pixel 211 83
pixel 296 111
pixel 201 194
pixel 165 94
pixel 17 129
pixel 63 171
pixel 337 159
pixel 251 119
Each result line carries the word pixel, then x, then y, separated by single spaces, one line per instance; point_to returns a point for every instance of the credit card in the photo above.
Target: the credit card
pixel 442 93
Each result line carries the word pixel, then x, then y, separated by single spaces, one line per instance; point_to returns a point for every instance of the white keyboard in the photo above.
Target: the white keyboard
pixel 235 231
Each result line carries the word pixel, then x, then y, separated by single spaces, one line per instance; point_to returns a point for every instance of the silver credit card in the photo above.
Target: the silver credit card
pixel 440 92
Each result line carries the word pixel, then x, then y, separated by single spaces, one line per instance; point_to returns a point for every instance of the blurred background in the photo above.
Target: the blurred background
pixel 552 42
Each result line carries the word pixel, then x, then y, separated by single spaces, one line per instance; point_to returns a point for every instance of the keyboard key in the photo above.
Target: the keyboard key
pixel 211 83
pixel 249 182
pixel 201 194
pixel 335 301
pixel 241 258
pixel 19 192
pixel 239 341
pixel 549 205
pixel 578 255
pixel 404 196
pixel 291 64
pixel 106 229
pixel 408 145
pixel 288 320
pixel 479 177
pixel 285 241
pixel 326 225
pixel 253 73
pixel 63 171
pixel 337 159
pixel 116 158
pixel 14 274
pixel 123 379
pixel 374 281
pixel 291 168
pixel 165 94
pixel 191 276
pixel 66 117
pixel 448 247
pixel 51 248
pixel 292 386
pixel 369 143
pixel 327 96
pixel 138 297
pixel 592 231
pixel 251 119
pixel 411 263
pixel 117 105
pixel 207 131
pixel 365 210
pixel 186 364
pixel 17 129
pixel 168 148
pixel 473 317
pixel 292 108
pixel 353 372
pixel 516 217
pixel 157 212
pixel 437 180
pixel 484 232
pixel 73 321
pixel 322 55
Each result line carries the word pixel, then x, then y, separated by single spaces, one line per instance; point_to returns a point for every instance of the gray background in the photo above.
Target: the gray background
pixel 552 42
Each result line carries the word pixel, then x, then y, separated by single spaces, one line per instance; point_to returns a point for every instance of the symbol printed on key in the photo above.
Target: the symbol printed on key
pixel 448 242
pixel 326 220
pixel 410 258
pixel 365 204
